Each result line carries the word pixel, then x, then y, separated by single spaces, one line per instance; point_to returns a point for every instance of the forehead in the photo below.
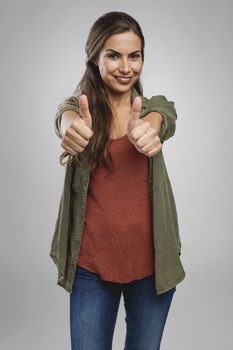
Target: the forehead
pixel 127 41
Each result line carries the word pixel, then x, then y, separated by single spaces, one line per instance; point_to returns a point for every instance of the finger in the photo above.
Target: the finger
pixel 69 144
pixel 69 150
pixel 149 137
pixel 84 109
pixel 76 138
pixel 155 150
pixel 136 108
pixel 139 130
pixel 82 130
pixel 150 145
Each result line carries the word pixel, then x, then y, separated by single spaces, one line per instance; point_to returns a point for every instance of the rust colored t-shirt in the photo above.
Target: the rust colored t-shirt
pixel 117 241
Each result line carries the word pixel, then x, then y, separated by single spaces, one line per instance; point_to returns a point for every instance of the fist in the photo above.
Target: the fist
pixel 79 132
pixel 141 133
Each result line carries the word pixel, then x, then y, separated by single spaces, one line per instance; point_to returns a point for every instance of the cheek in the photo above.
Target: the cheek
pixel 107 66
pixel 137 67
pixel 111 67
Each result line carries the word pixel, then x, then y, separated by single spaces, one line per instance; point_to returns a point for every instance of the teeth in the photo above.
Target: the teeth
pixel 124 79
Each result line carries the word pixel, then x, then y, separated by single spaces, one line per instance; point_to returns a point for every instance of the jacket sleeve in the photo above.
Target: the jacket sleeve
pixel 62 107
pixel 166 108
pixel 157 103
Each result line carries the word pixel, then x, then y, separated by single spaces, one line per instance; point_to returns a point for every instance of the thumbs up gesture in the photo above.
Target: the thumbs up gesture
pixel 79 132
pixel 141 133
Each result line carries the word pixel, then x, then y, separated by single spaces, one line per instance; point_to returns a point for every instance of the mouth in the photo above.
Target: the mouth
pixel 123 80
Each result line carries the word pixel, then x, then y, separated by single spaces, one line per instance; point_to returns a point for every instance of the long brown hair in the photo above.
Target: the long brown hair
pixel 92 86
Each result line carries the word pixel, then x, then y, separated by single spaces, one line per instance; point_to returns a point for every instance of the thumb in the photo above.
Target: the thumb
pixel 84 109
pixel 136 109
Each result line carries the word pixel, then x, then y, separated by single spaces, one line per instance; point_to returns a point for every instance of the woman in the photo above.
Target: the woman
pixel 117 230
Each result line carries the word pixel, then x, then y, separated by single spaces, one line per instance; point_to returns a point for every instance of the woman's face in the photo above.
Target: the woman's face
pixel 120 62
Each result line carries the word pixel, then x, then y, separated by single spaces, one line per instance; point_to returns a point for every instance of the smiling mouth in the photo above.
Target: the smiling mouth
pixel 118 76
pixel 123 80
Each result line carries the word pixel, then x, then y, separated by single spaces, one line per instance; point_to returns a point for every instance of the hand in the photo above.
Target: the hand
pixel 141 133
pixel 78 134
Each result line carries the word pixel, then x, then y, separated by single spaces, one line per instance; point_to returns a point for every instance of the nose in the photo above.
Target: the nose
pixel 124 66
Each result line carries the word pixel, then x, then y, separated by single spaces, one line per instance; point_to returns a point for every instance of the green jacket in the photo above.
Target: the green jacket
pixel 67 236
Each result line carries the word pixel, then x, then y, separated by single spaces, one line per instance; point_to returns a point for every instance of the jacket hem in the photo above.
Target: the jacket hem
pixel 165 289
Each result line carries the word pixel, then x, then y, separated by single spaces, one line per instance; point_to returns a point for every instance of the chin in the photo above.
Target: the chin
pixel 123 88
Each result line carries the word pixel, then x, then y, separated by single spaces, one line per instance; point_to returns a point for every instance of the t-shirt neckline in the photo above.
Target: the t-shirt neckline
pixel 118 138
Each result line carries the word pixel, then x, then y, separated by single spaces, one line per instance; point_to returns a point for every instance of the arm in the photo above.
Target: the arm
pixel 66 119
pixel 167 110
pixel 65 114
pixel 74 125
pixel 155 119
pixel 159 105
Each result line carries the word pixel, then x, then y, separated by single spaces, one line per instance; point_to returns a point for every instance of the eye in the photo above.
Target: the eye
pixel 113 56
pixel 135 56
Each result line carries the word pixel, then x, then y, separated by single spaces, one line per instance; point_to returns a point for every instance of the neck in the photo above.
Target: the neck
pixel 120 100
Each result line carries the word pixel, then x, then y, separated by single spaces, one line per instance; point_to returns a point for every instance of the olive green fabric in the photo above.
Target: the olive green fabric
pixel 157 103
pixel 67 236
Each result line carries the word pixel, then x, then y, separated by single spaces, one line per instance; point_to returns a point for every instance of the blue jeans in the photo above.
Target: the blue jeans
pixel 94 306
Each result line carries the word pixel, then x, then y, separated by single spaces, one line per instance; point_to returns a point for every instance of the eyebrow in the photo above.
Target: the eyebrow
pixel 131 53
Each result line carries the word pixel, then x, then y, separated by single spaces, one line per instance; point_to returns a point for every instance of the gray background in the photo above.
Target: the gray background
pixel 188 59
